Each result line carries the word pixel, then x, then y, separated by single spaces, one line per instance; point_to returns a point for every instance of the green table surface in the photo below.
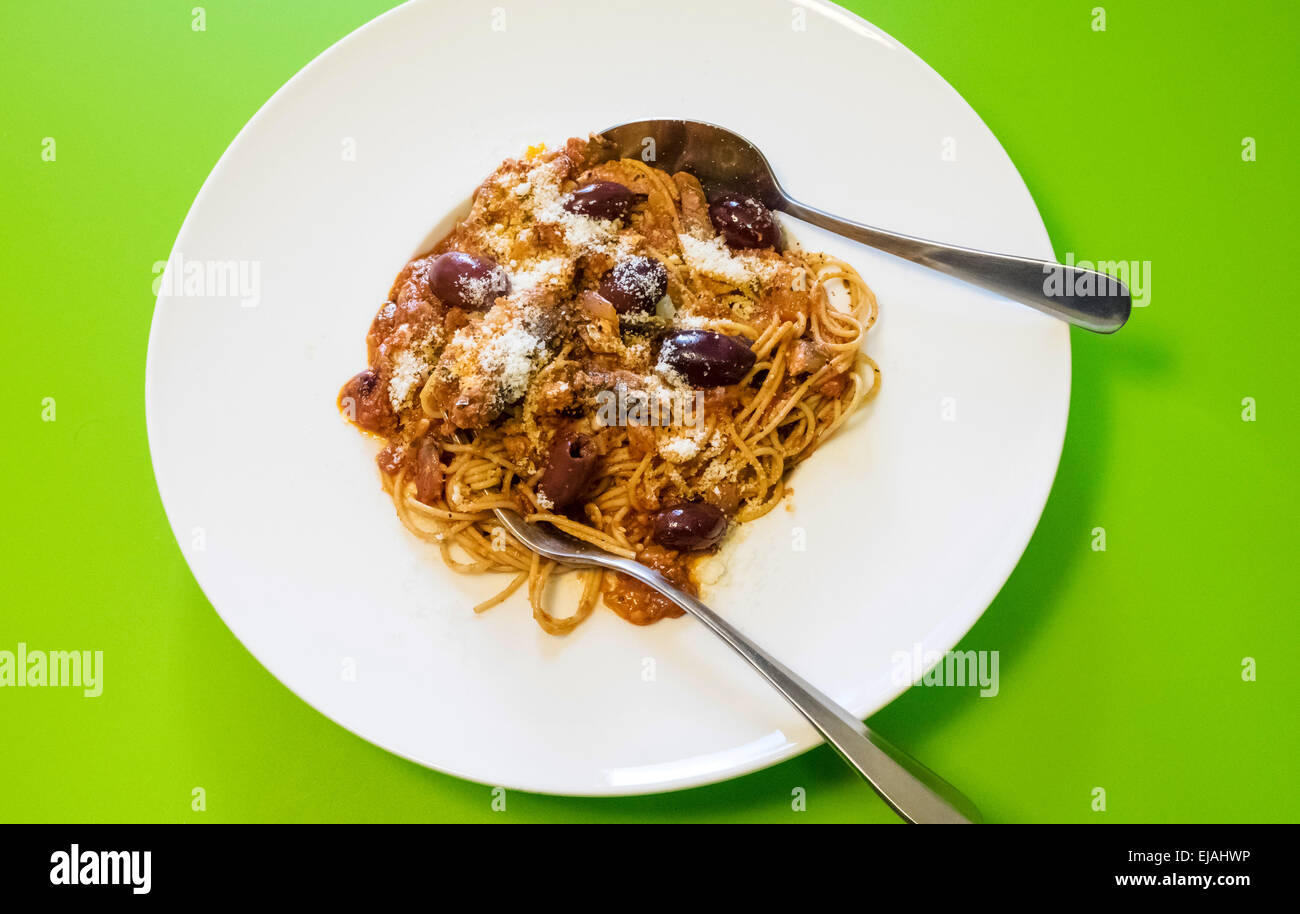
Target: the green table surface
pixel 1127 669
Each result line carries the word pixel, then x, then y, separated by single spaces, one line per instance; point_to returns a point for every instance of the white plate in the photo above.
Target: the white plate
pixel 911 518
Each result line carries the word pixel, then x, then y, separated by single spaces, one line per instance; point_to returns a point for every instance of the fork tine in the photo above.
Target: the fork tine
pixel 551 543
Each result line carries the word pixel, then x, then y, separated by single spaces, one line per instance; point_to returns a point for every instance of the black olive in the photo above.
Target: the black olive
pixel 635 285
pixel 366 381
pixel 466 281
pixel 602 200
pixel 569 466
pixel 743 222
pixel 690 527
pixel 706 358
pixel 365 402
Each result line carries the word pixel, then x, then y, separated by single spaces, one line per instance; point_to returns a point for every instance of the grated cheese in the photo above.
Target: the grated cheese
pixel 543 271
pixel 510 356
pixel 679 449
pixel 712 258
pixel 409 370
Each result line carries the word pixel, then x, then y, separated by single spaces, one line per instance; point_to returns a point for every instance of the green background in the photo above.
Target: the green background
pixel 1120 669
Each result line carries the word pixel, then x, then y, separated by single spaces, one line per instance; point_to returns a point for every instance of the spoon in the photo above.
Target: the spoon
pixel 727 162
pixel 913 791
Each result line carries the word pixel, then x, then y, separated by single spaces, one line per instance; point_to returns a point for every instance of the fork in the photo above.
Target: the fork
pixel 913 791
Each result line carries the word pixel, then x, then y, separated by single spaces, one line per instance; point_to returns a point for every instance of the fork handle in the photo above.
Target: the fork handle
pixel 913 791
pixel 1085 298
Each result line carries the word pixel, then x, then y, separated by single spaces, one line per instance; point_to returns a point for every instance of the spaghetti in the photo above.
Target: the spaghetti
pixel 602 347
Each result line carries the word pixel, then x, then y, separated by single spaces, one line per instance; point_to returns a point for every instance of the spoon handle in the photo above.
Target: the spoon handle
pixel 1085 298
pixel 913 791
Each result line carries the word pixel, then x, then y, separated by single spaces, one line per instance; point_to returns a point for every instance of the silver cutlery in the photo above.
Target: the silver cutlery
pixel 913 791
pixel 726 161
